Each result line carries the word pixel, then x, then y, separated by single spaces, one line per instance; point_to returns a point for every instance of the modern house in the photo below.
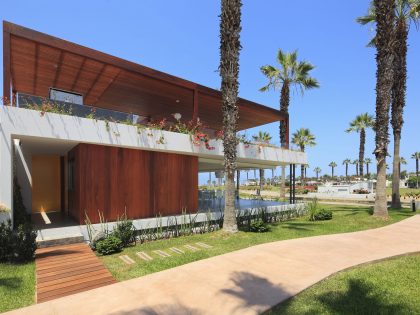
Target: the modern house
pixel 82 129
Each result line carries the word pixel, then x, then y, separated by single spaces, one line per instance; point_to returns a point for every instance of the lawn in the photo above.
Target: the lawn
pixel 17 286
pixel 345 219
pixel 387 287
pixel 403 191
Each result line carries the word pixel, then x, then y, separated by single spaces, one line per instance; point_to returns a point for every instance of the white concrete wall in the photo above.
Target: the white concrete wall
pixel 22 123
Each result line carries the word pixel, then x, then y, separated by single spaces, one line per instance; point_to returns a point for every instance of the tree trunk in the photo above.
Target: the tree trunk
pixel 238 178
pixel 417 173
pixel 398 103
pixel 396 202
pixel 380 208
pixel 302 174
pixel 357 169
pixel 332 172
pixel 229 221
pixel 385 35
pixel 284 107
pixel 230 28
pixel 261 180
pixel 367 170
pixel 283 183
pixel 362 151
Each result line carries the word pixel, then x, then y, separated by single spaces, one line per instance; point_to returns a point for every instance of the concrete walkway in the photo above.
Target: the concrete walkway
pixel 247 281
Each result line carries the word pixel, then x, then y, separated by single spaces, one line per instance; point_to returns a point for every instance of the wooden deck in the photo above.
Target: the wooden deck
pixel 68 269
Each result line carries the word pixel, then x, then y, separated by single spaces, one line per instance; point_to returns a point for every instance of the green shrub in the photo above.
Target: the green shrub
pixel 125 231
pixel 322 215
pixel 20 216
pixel 109 245
pixel 312 209
pixel 25 243
pixel 258 226
pixel 18 245
pixel 5 242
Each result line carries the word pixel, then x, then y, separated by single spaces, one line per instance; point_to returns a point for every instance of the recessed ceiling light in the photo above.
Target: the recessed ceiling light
pixel 177 101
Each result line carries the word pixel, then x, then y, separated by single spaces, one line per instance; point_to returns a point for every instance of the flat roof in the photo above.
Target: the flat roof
pixel 34 62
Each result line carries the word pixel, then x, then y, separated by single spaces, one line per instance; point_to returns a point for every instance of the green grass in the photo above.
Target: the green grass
pixel 17 286
pixel 345 219
pixel 387 287
pixel 403 191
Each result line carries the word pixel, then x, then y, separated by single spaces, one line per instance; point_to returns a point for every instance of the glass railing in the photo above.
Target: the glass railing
pixel 84 111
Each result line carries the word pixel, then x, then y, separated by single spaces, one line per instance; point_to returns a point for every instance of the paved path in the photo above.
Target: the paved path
pixel 247 281
pixel 68 269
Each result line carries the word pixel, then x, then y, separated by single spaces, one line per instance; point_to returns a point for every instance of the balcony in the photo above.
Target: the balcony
pixel 39 118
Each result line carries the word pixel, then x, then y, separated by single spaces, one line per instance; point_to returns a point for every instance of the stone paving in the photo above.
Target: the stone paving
pixel 161 253
pixel 248 281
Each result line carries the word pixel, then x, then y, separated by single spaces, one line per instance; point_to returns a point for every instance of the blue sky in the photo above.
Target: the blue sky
pixel 181 37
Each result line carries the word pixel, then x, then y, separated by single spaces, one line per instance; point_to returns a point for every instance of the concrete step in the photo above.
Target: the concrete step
pixel 48 241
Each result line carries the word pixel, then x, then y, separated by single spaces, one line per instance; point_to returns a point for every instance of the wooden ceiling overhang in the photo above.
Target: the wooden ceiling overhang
pixel 34 62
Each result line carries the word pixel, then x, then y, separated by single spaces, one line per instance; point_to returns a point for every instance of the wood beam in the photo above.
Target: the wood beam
pixel 106 88
pixel 55 42
pixel 78 74
pixel 36 67
pixel 58 70
pixel 195 105
pixel 95 81
pixel 6 66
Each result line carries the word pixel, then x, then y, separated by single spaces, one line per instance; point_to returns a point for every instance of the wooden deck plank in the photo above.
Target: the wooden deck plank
pixel 42 284
pixel 68 269
pixel 78 269
pixel 73 284
pixel 44 298
pixel 74 260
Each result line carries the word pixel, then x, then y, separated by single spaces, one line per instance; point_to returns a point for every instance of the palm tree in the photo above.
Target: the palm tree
pixel 230 28
pixel 346 162
pixel 367 162
pixel 290 73
pixel 332 165
pixel 306 166
pixel 303 138
pixel 385 37
pixel 406 12
pixel 262 137
pixel 356 163
pixel 416 156
pixel 359 125
pixel 317 170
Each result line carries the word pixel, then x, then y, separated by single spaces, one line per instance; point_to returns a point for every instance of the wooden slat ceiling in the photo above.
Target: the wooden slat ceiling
pixel 39 62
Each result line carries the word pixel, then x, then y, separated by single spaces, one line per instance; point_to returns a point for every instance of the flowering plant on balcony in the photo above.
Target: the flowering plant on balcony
pixel 200 137
pixel 190 127
pixel 241 138
pixel 158 124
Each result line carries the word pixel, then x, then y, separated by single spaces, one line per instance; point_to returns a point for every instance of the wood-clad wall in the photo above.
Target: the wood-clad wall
pixel 145 183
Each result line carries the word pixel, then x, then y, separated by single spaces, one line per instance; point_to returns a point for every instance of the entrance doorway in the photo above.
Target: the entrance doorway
pixel 46 183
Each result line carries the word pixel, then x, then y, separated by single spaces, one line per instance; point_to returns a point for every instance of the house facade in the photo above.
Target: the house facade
pixel 85 133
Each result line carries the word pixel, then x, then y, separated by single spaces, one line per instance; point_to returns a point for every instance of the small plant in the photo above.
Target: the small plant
pixel 107 125
pixel 161 140
pixel 125 231
pixel 92 114
pixel 312 209
pixel 17 246
pixel 316 214
pixel 322 215
pixel 3 208
pixel 109 245
pixel 258 226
